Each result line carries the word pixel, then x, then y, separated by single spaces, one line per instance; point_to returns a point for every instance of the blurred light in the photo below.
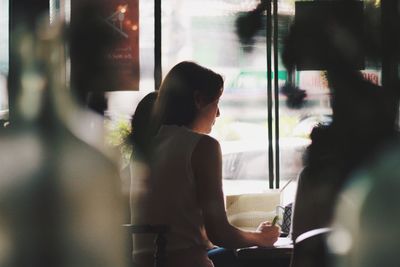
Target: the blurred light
pixel 134 28
pixel 122 9
pixel 340 241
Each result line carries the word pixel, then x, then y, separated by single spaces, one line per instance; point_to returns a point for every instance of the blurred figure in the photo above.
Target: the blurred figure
pixel 362 119
pixel 60 202
pixel 183 185
pixel 366 221
pixel 363 122
pixel 358 129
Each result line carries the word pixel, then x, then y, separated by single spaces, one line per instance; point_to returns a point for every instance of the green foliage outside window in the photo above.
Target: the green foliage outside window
pixel 117 133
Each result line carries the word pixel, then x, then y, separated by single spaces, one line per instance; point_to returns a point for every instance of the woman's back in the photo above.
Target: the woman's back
pixel 169 193
pixel 181 185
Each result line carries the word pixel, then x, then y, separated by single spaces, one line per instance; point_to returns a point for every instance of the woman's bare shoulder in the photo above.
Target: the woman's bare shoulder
pixel 206 152
pixel 207 143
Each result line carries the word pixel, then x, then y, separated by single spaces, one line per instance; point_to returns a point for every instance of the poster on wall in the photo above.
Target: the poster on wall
pixel 123 18
pixel 104 45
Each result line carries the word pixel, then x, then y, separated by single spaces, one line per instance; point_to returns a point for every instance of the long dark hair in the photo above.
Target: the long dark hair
pixel 176 102
pixel 173 104
pixel 140 125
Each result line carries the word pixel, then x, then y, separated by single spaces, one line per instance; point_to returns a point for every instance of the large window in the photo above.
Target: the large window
pixel 205 31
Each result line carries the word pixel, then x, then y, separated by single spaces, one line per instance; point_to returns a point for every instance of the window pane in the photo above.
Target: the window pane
pixel 205 32
pixel 4 35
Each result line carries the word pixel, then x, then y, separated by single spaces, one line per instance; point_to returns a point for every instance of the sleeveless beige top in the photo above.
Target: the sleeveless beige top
pixel 165 193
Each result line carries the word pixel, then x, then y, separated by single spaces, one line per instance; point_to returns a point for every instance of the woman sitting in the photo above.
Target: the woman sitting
pixel 181 185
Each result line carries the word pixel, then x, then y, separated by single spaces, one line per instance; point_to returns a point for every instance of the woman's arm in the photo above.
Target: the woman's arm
pixel 207 169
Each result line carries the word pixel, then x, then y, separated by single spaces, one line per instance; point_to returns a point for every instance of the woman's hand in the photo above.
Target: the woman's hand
pixel 268 234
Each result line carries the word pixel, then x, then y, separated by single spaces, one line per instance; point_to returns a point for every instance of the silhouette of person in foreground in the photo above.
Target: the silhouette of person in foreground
pixel 60 202
pixel 183 185
pixel 361 121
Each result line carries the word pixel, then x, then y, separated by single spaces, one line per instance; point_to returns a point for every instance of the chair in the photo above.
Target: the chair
pixel 310 249
pixel 160 242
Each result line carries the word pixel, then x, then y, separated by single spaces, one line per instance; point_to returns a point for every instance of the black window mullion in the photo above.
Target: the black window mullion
pixel 157 44
pixel 269 96
pixel 276 92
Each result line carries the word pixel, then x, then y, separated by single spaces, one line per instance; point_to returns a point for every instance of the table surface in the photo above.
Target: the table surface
pixel 283 248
